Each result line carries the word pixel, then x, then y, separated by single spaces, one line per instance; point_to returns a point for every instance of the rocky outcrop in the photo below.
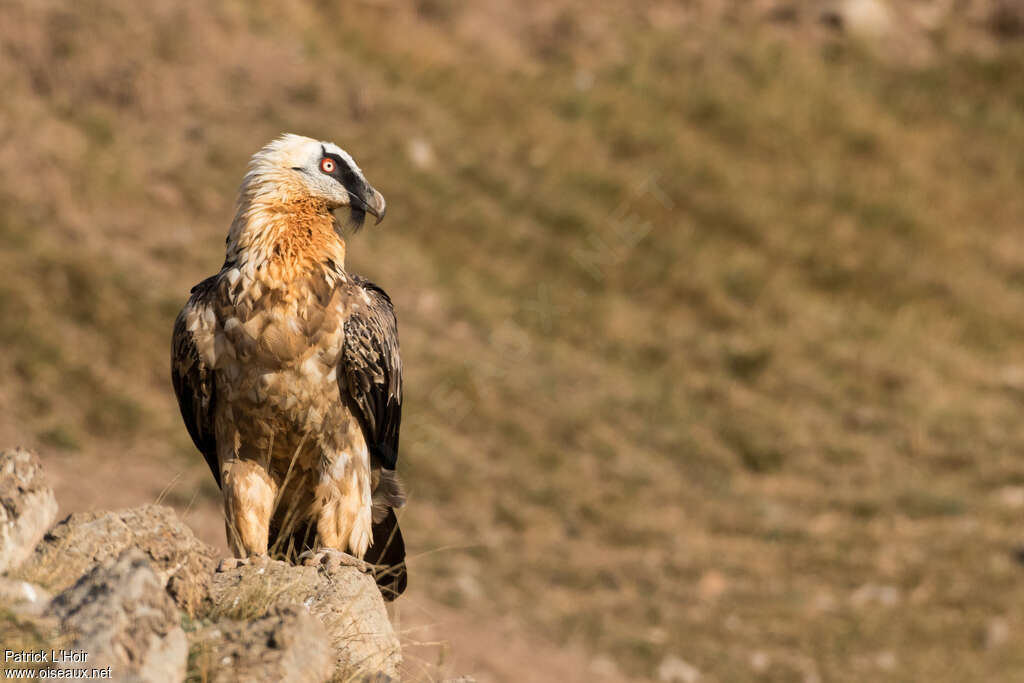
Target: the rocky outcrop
pixel 120 616
pixel 345 600
pixel 135 590
pixel 181 561
pixel 287 645
pixel 27 506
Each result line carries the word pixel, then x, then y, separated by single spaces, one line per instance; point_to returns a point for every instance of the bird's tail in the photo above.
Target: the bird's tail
pixel 387 554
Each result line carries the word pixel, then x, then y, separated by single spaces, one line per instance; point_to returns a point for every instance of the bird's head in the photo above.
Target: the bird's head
pixel 294 166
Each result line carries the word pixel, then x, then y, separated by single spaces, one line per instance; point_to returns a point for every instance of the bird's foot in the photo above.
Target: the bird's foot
pixel 333 559
pixel 229 563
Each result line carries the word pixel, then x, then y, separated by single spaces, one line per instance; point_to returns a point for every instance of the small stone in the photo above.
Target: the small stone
pixel 868 18
pixel 675 670
pixel 469 586
pixel 1012 377
pixel 760 661
pixel 27 506
pixel 583 80
pixel 823 601
pixel 873 593
pixel 1012 497
pixel 824 524
pixel 886 660
pixel 712 585
pixel 658 635
pixel 421 154
pixel 997 632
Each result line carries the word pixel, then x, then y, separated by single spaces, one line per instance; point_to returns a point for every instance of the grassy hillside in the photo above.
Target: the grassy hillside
pixel 711 323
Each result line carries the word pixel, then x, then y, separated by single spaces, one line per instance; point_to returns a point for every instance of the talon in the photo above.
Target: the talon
pixel 332 559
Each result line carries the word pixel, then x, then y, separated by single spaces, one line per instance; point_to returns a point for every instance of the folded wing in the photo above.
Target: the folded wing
pixel 192 379
pixel 370 380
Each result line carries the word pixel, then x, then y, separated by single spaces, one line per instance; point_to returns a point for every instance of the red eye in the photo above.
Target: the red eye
pixel 327 165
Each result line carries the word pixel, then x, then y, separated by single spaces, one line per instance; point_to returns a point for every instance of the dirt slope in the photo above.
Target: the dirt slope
pixel 710 311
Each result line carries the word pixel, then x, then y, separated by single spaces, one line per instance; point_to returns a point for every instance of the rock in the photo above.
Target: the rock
pixel 24 633
pixel 1012 496
pixel 712 585
pixel 345 600
pixel 421 153
pixel 675 670
pixel 122 578
pixel 27 506
pixel 23 597
pixel 121 616
pixel 289 644
pixel 886 660
pixel 866 18
pixel 182 562
pixel 997 632
pixel 878 594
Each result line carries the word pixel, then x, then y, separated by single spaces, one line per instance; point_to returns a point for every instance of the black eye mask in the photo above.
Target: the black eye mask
pixel 353 183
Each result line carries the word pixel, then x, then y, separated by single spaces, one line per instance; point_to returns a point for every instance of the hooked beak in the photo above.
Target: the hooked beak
pixel 375 204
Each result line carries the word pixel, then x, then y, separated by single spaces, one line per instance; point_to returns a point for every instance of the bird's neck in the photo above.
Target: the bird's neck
pixel 284 237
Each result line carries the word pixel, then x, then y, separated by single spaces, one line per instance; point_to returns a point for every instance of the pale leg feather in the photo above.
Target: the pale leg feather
pixel 248 505
pixel 344 512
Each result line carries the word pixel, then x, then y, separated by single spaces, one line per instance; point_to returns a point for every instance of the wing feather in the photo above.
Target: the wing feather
pixel 370 380
pixel 370 372
pixel 192 378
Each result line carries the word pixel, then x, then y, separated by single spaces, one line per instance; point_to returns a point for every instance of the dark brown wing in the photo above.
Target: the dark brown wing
pixel 192 379
pixel 370 379
pixel 370 372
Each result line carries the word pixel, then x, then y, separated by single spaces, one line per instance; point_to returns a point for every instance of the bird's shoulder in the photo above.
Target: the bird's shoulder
pixel 195 314
pixel 370 300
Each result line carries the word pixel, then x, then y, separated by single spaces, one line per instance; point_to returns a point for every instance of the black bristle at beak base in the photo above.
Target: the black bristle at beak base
pixel 357 217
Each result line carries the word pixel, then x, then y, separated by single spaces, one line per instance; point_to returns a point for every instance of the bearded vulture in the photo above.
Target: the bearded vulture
pixel 287 371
